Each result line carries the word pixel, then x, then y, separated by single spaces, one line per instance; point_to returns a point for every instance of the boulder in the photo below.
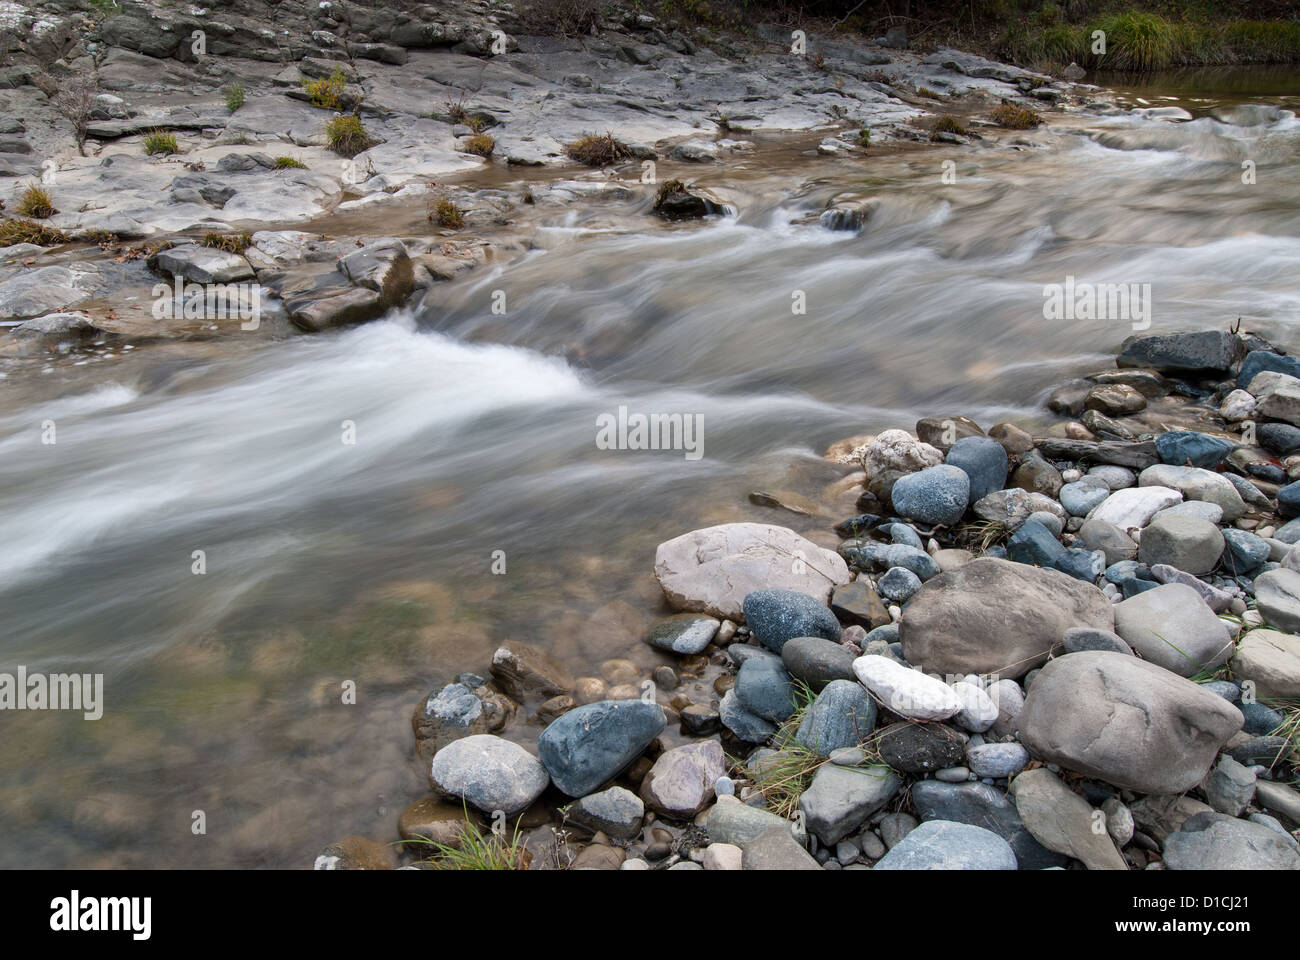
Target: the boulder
pixel 777 616
pixel 591 744
pixel 1134 506
pixel 997 616
pixel 984 461
pixel 1173 627
pixel 522 671
pixel 382 266
pixel 684 633
pixel 908 693
pixel 934 495
pixel 680 784
pixel 201 264
pixel 1271 660
pixel 843 715
pixel 1063 821
pixel 1213 841
pixel 840 799
pixel 1125 721
pixel 1277 594
pixel 816 661
pixel 1188 543
pixel 489 773
pixel 897 450
pixel 1195 483
pixel 1202 352
pixel 776 849
pixel 616 812
pixel 944 845
pixel 713 569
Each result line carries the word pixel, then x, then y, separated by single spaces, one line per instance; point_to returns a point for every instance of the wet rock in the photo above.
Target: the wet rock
pixel 1271 660
pixel 1037 476
pixel 943 432
pixel 1128 722
pixel 490 773
pixel 944 845
pixel 1061 820
pixel 984 461
pixel 1259 361
pixel 1115 452
pixel 616 812
pixel 588 746
pixel 522 670
pixel 1202 352
pixel 699 720
pixel 777 616
pixel 430 819
pixel 841 717
pixel 1115 399
pixel 897 450
pixel 446 715
pixel 684 633
pixel 355 853
pixel 1015 440
pixel 840 799
pixel 201 264
pixel 1189 448
pixel 680 784
pixel 997 616
pixel 1212 841
pixel 712 570
pixel 745 725
pixel 1068 398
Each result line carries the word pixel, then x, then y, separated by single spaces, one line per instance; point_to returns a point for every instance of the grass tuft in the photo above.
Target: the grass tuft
pixel 29 231
pixel 289 163
pixel 36 202
pixel 327 92
pixel 229 242
pixel 481 145
pixel 477 851
pixel 234 96
pixel 161 141
pixel 1015 118
pixel 445 213
pixel 598 151
pixel 946 124
pixel 347 135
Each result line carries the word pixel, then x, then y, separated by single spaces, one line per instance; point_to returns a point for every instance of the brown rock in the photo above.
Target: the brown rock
pixel 522 670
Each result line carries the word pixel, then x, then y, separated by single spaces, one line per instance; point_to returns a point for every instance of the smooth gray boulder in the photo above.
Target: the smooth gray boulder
pixel 1213 841
pixel 592 743
pixel 1125 721
pixel 489 773
pixel 1277 594
pixel 1172 626
pixel 944 845
pixel 839 799
pixel 1188 543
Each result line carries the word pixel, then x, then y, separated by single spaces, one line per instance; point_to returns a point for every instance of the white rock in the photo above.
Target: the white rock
pixel 899 450
pixel 722 856
pixel 978 712
pixel 1133 507
pixel 1238 405
pixel 908 693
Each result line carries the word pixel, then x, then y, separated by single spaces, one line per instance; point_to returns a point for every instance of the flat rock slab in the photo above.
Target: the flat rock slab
pixel 996 616
pixel 713 569
pixel 1213 841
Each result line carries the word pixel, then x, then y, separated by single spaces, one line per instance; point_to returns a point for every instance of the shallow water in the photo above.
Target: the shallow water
pixel 330 562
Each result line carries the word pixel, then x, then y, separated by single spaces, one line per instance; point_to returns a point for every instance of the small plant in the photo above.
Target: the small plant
pixel 481 145
pixel 74 99
pixel 229 242
pixel 347 135
pixel 327 92
pixel 234 96
pixel 1015 118
pixel 864 137
pixel 476 851
pixel 102 238
pixel 289 163
pixel 445 213
pixel 986 533
pixel 598 151
pixel 160 141
pixel 105 9
pixel 36 202
pixel 946 124
pixel 29 231
pixel 927 92
pixel 456 112
pixel 478 122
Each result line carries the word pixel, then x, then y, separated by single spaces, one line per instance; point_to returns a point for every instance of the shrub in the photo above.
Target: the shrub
pixel 327 92
pixel 864 137
pixel 160 141
pixel 445 213
pixel 36 202
pixel 946 124
pixel 1015 118
pixel 1137 41
pixel 235 96
pixel 289 163
pixel 347 135
pixel 229 242
pixel 927 92
pixel 29 231
pixel 480 145
pixel 598 151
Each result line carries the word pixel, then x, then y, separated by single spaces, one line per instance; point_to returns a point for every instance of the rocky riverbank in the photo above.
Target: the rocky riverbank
pixel 1074 650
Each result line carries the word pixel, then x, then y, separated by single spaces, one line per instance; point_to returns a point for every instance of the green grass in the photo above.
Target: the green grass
pixel 234 96
pixel 445 213
pixel 481 145
pixel 927 92
pixel 477 851
pixel 986 533
pixel 36 202
pixel 229 242
pixel 161 141
pixel 327 92
pixel 347 135
pixel 289 163
pixel 864 137
pixel 946 124
pixel 1290 725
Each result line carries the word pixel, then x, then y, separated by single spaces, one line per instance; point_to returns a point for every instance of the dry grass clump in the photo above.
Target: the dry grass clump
pixel 29 231
pixel 229 242
pixel 598 151
pixel 1015 118
pixel 481 145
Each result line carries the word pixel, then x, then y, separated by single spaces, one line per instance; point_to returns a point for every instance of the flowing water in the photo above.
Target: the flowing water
pixel 370 563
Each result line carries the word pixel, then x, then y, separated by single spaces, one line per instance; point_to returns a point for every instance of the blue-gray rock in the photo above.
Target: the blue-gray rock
pixel 840 799
pixel 1261 720
pixel 1034 544
pixel 902 533
pixel 1246 551
pixel 1123 570
pixel 996 760
pixel 592 743
pixel 765 689
pixel 775 616
pixel 1224 688
pixel 1081 496
pixel 1204 352
pixel 745 725
pixel 984 461
pixel 1281 438
pixel 843 715
pixel 1251 493
pixel 816 661
pixel 684 633
pixel 1258 361
pixel 983 806
pixel 617 812
pixel 1202 450
pixel 945 845
pixel 1289 532
pixel 1048 521
pixel 1213 841
pixel 1288 500
pixel 1131 587
pixel 1085 565
pixel 740 652
pixel 899 584
pixel 1078 639
pixel 936 494
pixel 912 558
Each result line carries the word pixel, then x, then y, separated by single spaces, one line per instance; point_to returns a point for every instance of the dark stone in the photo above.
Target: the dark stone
pixel 1288 500
pixel 591 744
pixel 1200 449
pixel 1202 352
pixel 1258 361
pixel 983 806
pixel 765 689
pixel 775 616
pixel 1136 456
pixel 1261 720
pixel 1261 750
pixel 984 460
pixel 919 748
pixel 1033 543
pixel 816 661
pixel 1078 639
pixel 857 603
pixel 1279 437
